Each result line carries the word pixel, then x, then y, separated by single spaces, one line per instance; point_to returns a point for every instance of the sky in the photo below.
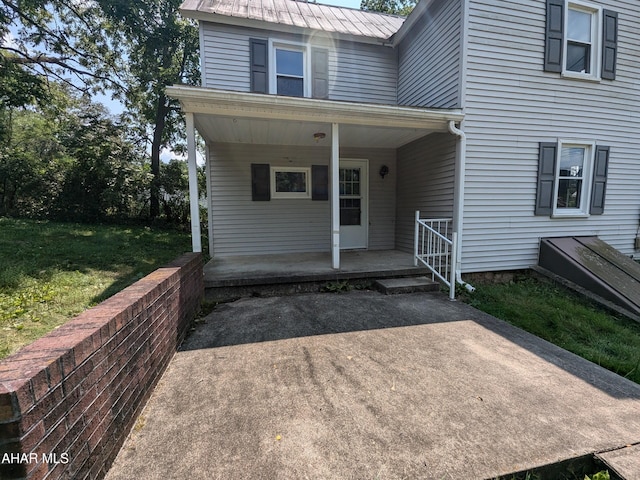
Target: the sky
pixel 342 3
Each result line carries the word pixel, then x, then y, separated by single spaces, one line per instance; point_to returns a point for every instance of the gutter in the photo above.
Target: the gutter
pixel 458 202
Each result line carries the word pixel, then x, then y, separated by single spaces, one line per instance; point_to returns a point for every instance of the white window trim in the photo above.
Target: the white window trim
pixel 305 194
pixel 587 176
pixel 596 40
pixel 306 64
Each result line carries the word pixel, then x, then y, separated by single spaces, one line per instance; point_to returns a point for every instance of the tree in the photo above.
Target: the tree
pixel 105 177
pixel 69 159
pixel 392 7
pixel 134 49
pixel 174 188
pixel 59 40
pixel 30 164
pixel 161 49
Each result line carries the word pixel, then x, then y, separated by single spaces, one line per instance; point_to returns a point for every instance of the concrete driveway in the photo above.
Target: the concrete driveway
pixel 366 386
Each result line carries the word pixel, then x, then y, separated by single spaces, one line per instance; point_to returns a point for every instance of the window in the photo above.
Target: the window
pixel 572 178
pixel 289 70
pixel 290 182
pixel 581 40
pixel 286 68
pixel 350 196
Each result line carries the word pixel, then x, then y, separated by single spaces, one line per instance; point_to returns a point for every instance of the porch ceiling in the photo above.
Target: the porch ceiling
pixel 284 132
pixel 236 117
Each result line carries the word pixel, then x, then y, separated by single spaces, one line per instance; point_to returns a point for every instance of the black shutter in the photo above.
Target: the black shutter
pixel 320 182
pixel 260 182
pixel 546 178
pixel 554 36
pixel 259 65
pixel 320 72
pixel 609 44
pixel 599 185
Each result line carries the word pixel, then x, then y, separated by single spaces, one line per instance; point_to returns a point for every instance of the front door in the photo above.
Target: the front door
pixel 354 203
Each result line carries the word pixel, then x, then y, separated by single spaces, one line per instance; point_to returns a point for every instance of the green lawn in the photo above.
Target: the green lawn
pixel 50 272
pixel 566 319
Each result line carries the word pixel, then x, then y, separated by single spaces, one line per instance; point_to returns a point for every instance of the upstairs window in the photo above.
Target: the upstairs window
pixel 289 70
pixel 581 40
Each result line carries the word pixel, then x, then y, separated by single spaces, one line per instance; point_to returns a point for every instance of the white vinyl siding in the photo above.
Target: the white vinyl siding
pixel 357 72
pixel 362 73
pixel 224 56
pixel 512 105
pixel 245 227
pixel 429 59
pixel 426 178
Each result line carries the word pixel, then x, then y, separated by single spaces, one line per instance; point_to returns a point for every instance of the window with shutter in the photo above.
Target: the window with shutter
pixel 609 44
pixel 259 60
pixel 320 72
pixel 320 180
pixel 546 178
pixel 260 182
pixel 599 187
pixel 572 177
pixel 581 40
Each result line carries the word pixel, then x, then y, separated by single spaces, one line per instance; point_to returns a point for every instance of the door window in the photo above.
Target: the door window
pixel 350 196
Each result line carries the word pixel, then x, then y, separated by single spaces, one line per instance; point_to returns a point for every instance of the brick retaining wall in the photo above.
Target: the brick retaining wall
pixel 68 400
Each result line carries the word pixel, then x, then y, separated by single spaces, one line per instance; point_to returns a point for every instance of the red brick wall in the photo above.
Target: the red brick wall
pixel 68 400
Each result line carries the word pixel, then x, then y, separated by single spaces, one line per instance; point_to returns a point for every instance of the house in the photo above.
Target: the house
pixel 327 128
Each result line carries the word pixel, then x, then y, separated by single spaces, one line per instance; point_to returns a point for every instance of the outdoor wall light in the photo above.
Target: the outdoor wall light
pixel 384 170
pixel 319 136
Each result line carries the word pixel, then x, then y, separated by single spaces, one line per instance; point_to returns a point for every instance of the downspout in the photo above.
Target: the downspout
pixel 458 202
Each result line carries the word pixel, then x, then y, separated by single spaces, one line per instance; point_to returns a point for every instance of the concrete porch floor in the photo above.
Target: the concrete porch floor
pixel 308 267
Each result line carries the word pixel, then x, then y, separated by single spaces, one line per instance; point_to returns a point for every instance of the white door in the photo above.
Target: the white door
pixel 354 203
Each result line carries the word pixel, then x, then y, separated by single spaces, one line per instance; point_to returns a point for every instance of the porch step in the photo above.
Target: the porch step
pixel 392 286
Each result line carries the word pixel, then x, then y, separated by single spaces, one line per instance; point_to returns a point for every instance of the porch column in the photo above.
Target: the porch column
pixel 335 196
pixel 207 169
pixel 196 241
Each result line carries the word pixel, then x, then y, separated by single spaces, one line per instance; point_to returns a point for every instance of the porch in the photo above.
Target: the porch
pixel 247 275
pixel 290 175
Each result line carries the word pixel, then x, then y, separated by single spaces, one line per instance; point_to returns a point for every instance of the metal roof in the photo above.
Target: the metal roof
pixel 301 14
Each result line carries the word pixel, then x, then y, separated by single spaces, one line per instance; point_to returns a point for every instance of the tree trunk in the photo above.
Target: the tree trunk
pixel 161 113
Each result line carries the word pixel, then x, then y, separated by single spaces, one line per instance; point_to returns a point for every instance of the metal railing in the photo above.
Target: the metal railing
pixel 435 245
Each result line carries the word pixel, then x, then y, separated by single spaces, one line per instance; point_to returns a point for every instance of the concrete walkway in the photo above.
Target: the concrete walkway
pixel 367 386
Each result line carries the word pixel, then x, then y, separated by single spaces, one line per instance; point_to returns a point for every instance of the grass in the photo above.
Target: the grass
pixel 566 319
pixel 50 272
